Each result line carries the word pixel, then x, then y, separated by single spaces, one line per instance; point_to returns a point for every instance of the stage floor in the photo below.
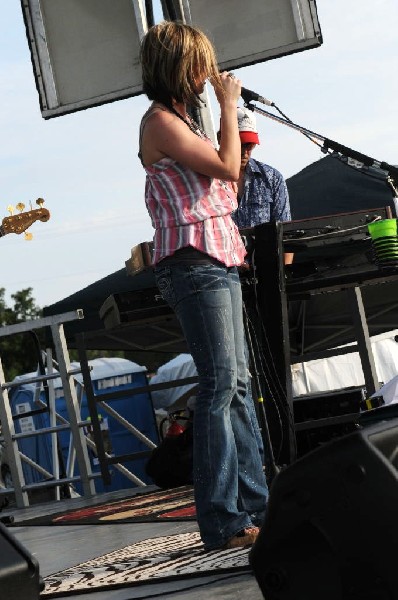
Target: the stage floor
pixel 60 547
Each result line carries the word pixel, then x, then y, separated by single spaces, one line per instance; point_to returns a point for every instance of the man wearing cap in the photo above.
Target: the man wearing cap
pixel 262 191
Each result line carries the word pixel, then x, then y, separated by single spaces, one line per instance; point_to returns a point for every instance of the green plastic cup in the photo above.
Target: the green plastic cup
pixel 386 254
pixel 385 240
pixel 385 244
pixel 386 227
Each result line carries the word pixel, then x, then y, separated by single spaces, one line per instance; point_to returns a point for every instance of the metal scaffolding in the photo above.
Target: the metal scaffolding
pixel 74 423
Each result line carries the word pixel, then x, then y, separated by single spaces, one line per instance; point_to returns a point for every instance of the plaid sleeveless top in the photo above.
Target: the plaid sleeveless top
pixel 191 209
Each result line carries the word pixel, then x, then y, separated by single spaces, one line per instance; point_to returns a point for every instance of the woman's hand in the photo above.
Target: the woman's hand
pixel 230 89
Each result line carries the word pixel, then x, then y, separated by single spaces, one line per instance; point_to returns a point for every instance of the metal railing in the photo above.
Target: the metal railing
pixel 75 424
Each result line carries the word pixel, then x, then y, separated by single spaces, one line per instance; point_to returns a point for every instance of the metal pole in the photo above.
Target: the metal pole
pixel 53 421
pixel 72 404
pixel 363 339
pixel 11 445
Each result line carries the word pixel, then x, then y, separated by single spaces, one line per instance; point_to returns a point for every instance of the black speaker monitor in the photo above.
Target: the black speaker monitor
pixel 19 571
pixel 331 529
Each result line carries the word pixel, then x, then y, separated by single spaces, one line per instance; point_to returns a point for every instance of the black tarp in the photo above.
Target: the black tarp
pixel 325 187
pixel 330 186
pixel 153 333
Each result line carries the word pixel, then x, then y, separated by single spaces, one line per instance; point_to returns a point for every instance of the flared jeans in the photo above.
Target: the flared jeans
pixel 229 483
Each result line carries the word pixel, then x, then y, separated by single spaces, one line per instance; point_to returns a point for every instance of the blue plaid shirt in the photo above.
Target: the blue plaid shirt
pixel 265 197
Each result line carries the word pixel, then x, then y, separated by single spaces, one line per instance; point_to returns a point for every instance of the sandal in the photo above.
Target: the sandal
pixel 246 537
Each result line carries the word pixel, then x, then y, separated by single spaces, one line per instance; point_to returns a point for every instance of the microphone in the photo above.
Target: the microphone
pixel 248 95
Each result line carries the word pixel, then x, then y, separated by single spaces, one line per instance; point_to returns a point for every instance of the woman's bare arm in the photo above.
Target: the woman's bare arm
pixel 165 135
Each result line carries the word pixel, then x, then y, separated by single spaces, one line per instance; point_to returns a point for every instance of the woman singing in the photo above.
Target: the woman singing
pixel 197 248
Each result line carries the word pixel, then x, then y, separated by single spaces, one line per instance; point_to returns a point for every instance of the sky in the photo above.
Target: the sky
pixel 85 164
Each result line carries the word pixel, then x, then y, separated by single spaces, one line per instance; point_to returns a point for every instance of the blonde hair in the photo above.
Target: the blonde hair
pixel 172 55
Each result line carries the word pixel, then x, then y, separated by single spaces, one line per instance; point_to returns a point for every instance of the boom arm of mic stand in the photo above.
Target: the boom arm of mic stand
pixel 287 122
pixel 331 144
pixel 368 161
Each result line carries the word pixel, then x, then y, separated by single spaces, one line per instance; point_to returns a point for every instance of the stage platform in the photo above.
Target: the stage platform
pixel 61 547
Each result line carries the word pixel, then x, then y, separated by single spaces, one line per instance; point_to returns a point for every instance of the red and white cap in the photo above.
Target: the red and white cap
pixel 247 126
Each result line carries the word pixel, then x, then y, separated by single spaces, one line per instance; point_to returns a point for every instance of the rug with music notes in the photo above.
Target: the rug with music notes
pixel 154 560
pixel 165 505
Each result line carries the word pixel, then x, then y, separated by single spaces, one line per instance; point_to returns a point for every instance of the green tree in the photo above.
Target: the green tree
pixel 19 352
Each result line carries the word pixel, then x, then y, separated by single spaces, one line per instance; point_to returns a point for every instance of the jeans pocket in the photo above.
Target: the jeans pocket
pixel 165 285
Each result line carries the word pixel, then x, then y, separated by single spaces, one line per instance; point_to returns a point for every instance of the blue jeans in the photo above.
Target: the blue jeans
pixel 229 482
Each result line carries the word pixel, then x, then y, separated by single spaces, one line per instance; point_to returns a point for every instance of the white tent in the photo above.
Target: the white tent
pixel 180 367
pixel 322 375
pixel 345 370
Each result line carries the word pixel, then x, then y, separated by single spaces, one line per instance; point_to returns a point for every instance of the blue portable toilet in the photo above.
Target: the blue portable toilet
pixel 107 375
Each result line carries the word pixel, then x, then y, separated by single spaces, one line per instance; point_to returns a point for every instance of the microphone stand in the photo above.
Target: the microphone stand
pixel 391 171
pixel 328 144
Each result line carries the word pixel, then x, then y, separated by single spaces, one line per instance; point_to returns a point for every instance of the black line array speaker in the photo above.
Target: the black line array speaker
pixel 331 529
pixel 19 571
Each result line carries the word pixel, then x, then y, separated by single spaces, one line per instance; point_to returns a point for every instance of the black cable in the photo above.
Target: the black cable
pixel 309 135
pixel 331 153
pixel 266 373
pixel 278 394
pixel 306 133
pixel 259 364
pixel 272 392
pixel 271 467
pixel 275 379
pixel 278 401
pixel 283 403
pixel 260 353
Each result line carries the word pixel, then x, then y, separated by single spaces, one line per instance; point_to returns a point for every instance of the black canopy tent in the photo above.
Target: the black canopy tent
pixel 325 187
pixel 154 330
pixel 330 186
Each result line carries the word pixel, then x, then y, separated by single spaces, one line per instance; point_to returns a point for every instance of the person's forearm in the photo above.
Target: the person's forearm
pixel 229 151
